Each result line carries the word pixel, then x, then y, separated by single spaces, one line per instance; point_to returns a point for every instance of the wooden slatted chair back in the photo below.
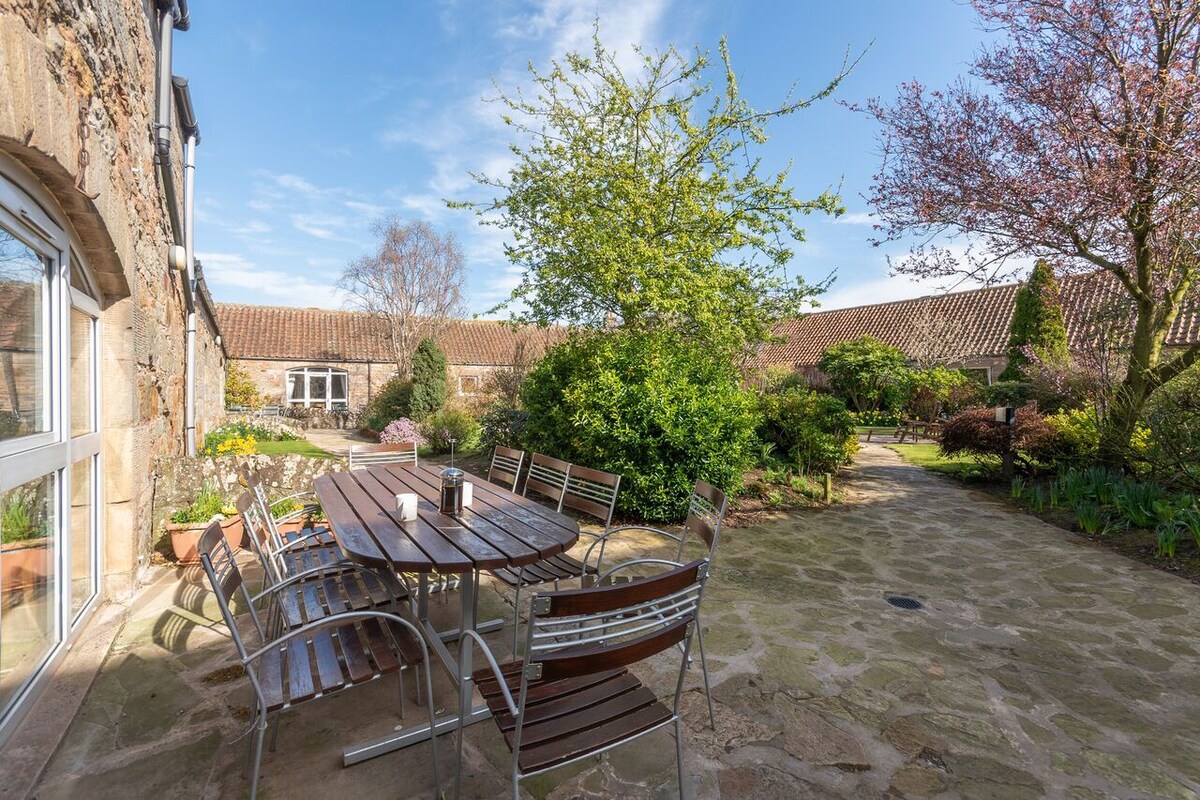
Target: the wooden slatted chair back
pixel 506 466
pixel 706 513
pixel 374 455
pixel 216 557
pixel 547 476
pixel 592 492
pixel 584 631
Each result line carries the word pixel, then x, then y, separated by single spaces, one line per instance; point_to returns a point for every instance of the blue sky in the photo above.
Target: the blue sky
pixel 318 118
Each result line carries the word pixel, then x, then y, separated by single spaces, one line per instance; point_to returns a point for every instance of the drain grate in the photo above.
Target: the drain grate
pixel 906 603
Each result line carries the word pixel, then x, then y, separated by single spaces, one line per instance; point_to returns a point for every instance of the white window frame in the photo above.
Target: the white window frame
pixel 23 204
pixel 304 373
pixel 478 388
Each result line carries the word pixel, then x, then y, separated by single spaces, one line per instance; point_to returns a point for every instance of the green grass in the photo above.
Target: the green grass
pixel 863 430
pixel 927 456
pixel 299 446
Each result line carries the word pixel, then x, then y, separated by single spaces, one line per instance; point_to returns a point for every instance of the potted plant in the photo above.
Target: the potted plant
pixel 187 524
pixel 24 554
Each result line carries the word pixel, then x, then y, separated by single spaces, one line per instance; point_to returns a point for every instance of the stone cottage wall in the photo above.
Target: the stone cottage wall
pixel 63 62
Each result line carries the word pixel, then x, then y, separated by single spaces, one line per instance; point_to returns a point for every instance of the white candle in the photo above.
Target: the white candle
pixel 468 493
pixel 406 506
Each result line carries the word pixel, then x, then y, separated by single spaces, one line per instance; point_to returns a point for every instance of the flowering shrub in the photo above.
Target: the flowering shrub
pixel 402 430
pixel 452 423
pixel 976 432
pixel 241 438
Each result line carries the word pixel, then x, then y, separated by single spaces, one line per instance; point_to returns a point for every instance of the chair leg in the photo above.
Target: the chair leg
pixel 517 612
pixel 274 731
pixel 712 716
pixel 679 759
pixel 400 684
pixel 258 748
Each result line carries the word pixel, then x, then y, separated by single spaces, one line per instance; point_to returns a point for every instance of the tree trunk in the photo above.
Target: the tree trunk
pixel 1125 406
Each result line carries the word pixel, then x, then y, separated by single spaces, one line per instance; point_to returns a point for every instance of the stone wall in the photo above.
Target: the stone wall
pixel 72 65
pixel 177 481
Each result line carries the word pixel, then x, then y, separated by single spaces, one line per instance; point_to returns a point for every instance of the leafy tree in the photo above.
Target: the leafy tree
pixel 659 411
pixel 1081 146
pixel 392 402
pixel 240 389
pixel 940 389
pixel 412 283
pixel 429 380
pixel 1038 326
pixel 640 201
pixel 866 372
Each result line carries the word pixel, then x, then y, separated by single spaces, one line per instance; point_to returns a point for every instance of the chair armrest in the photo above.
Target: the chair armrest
pixel 294 542
pixel 602 540
pixel 470 638
pixel 666 562
pixel 336 620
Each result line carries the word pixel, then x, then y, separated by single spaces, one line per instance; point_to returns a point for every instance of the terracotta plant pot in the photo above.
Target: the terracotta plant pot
pixel 186 535
pixel 24 565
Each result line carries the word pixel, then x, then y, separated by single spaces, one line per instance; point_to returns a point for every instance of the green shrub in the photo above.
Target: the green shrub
pixel 393 401
pixel 1008 393
pixel 868 374
pixel 1139 503
pixel 503 426
pixel 658 411
pixel 813 431
pixel 428 380
pixel 240 389
pixel 940 390
pixel 451 423
pixel 1172 440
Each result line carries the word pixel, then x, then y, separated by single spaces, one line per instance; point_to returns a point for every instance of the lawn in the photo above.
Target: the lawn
pixel 964 467
pixel 299 446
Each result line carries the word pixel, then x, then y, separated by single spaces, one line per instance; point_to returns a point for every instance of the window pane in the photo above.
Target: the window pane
pixel 27 582
pixel 81 373
pixel 83 583
pixel 318 386
pixel 338 391
pixel 23 306
pixel 296 386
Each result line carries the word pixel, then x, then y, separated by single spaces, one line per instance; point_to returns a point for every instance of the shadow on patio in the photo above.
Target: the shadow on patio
pixel 1038 665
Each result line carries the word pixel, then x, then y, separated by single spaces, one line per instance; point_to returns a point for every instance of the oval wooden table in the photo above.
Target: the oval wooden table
pixel 499 529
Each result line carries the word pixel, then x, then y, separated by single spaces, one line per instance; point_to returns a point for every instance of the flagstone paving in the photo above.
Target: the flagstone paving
pixel 1040 665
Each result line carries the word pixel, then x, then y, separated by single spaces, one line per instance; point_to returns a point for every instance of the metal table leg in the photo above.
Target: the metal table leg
pixel 437 646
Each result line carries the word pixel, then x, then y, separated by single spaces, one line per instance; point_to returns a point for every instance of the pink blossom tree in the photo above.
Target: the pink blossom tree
pixel 1075 139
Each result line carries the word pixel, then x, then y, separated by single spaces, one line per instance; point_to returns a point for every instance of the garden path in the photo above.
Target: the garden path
pixel 1040 665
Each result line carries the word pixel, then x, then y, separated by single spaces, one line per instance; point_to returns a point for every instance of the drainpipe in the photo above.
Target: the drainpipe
pixel 187 121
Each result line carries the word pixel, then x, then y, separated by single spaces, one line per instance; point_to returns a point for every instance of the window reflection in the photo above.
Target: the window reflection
pixel 23 310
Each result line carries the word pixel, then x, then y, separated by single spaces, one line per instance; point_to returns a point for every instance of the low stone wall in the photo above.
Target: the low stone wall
pixel 299 419
pixel 177 481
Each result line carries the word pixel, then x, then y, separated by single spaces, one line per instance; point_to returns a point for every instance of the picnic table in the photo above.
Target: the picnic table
pixel 918 429
pixel 499 529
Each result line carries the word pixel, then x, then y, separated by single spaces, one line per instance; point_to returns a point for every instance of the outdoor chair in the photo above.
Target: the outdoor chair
pixel 706 514
pixel 588 491
pixel 302 548
pixel 574 695
pixel 313 589
pixel 506 466
pixel 548 477
pixel 374 455
pixel 322 657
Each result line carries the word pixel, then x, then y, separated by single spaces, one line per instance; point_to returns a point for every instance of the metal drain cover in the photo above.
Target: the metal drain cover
pixel 906 603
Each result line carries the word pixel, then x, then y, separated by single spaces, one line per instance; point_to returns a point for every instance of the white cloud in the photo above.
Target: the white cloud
pixel 252 227
pixel 233 270
pixel 856 218
pixel 314 225
pixel 879 290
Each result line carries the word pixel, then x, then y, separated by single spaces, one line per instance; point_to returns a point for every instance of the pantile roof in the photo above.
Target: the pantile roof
pixel 318 334
pixel 979 320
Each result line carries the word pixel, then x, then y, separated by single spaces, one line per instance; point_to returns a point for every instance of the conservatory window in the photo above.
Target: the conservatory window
pixel 318 387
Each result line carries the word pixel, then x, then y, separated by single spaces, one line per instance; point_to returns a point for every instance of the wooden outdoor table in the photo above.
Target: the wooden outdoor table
pixel 499 529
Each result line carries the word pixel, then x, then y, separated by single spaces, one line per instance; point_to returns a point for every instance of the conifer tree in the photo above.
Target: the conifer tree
pixel 428 379
pixel 1038 325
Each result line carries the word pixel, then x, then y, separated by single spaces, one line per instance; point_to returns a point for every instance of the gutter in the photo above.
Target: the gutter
pixel 191 132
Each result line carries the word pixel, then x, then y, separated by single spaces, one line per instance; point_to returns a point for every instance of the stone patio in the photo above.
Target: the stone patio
pixel 1039 666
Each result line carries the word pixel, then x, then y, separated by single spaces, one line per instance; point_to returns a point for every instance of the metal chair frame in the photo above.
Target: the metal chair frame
pixel 506 462
pixel 588 491
pixel 706 515
pixel 589 631
pixel 373 455
pixel 219 565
